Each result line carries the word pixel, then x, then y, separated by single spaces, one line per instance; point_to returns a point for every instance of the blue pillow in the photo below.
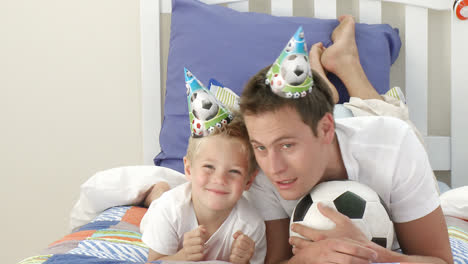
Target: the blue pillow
pixel 217 42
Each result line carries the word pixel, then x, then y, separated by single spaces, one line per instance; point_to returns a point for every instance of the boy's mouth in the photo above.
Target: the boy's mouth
pixel 218 192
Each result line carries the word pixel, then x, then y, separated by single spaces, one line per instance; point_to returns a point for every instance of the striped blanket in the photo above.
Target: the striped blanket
pixel 114 237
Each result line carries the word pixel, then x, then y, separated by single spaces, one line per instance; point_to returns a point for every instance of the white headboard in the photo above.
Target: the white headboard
pixel 445 152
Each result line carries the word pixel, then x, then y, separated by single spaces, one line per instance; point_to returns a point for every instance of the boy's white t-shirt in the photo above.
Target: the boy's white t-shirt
pixel 381 152
pixel 172 215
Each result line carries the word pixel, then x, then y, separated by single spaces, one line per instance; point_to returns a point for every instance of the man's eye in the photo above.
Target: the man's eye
pixel 286 146
pixel 260 148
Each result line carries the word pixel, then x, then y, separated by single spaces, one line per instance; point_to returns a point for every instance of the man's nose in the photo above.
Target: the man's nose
pixel 277 163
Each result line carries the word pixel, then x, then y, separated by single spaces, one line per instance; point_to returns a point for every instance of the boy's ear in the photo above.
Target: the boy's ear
pixel 251 180
pixel 187 168
pixel 326 128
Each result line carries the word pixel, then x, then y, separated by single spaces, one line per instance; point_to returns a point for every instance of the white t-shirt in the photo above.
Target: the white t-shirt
pixel 381 152
pixel 172 215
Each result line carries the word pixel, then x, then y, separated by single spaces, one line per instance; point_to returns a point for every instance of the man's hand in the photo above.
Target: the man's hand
pixel 344 227
pixel 242 249
pixel 331 251
pixel 194 244
pixel 343 244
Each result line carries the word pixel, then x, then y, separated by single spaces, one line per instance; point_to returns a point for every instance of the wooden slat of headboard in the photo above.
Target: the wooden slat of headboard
pixel 370 11
pixel 459 106
pixel 150 78
pixel 282 7
pixel 325 8
pixel 416 65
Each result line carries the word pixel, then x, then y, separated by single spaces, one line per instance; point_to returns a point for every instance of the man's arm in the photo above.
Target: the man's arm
pixel 422 240
pixel 277 235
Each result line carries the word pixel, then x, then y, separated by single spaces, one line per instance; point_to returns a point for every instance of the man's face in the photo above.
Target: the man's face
pixel 287 151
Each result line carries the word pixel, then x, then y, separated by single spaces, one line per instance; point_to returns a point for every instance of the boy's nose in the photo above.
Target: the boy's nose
pixel 220 177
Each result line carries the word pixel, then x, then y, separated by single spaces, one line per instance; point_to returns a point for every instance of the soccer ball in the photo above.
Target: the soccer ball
pixel 295 69
pixel 204 106
pixel 198 127
pixel 355 200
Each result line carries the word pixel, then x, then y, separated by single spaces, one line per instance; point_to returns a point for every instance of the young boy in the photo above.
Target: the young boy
pixel 207 218
pixel 298 144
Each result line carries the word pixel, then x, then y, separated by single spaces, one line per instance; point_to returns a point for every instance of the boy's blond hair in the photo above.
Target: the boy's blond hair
pixel 257 98
pixel 235 129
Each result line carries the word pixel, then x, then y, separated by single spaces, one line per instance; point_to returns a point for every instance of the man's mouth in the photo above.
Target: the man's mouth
pixel 286 184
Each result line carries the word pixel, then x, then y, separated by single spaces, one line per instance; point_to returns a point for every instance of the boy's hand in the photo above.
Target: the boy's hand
pixel 242 249
pixel 194 244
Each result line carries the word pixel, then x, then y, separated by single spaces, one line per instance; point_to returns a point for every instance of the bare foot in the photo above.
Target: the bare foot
pixel 315 56
pixel 344 50
pixel 342 59
pixel 155 192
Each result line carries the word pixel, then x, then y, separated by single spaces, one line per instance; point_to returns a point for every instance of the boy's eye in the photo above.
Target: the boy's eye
pixel 235 172
pixel 208 166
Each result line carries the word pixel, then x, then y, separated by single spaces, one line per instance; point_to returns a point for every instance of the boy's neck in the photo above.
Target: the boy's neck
pixel 211 219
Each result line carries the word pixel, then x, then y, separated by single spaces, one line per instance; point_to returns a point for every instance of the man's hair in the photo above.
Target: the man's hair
pixel 257 98
pixel 235 129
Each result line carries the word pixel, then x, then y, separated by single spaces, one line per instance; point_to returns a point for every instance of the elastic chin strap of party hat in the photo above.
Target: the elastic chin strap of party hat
pixel 205 111
pixel 290 75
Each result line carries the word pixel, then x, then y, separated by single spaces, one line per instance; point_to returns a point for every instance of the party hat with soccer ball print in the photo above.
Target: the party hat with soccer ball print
pixel 205 111
pixel 290 75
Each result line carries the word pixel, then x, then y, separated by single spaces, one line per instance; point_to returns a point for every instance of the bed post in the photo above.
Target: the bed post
pixel 150 78
pixel 459 107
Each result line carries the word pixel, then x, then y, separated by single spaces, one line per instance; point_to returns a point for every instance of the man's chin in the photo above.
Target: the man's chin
pixel 290 195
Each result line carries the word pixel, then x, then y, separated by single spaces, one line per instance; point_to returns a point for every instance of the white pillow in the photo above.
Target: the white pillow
pixel 455 202
pixel 118 186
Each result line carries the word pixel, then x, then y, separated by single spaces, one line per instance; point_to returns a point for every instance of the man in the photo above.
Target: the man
pixel 297 145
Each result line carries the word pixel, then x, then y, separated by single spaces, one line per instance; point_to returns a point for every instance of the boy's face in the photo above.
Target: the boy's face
pixel 218 172
pixel 288 152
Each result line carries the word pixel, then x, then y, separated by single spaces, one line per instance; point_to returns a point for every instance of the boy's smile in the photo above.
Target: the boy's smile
pixel 218 172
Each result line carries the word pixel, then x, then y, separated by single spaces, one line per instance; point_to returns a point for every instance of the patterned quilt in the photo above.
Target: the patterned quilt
pixel 114 237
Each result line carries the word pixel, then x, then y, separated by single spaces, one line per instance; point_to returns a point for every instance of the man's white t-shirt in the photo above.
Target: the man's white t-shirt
pixel 172 215
pixel 381 152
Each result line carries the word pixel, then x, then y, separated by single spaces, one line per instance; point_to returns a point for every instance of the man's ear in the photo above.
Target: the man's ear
pixel 251 180
pixel 187 168
pixel 326 128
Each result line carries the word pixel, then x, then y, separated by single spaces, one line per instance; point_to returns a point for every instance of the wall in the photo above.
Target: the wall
pixel 69 106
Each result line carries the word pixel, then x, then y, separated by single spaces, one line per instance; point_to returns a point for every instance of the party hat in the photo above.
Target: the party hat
pixel 290 75
pixel 205 111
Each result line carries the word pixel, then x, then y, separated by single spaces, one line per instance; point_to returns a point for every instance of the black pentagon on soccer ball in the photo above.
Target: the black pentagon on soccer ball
pixel 206 104
pixel 382 241
pixel 301 208
pixel 350 204
pixel 193 97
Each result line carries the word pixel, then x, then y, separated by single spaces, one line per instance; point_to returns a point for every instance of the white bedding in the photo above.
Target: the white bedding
pixel 128 186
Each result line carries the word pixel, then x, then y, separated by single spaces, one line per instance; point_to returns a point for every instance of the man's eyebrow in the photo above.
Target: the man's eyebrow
pixel 275 141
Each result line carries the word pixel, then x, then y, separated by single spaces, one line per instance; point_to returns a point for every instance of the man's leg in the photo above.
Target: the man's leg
pixel 315 56
pixel 342 59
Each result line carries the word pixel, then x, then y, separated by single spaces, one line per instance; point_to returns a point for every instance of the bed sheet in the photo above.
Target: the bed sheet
pixel 114 237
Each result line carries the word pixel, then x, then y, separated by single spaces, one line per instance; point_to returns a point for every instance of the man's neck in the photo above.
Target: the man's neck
pixel 336 169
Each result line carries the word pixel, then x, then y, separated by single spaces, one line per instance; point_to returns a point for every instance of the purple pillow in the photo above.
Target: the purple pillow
pixel 217 42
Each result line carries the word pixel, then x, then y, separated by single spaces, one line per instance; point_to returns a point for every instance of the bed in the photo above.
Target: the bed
pixel 105 220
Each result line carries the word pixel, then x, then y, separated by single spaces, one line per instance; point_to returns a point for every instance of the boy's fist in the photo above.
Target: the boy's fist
pixel 242 249
pixel 194 244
